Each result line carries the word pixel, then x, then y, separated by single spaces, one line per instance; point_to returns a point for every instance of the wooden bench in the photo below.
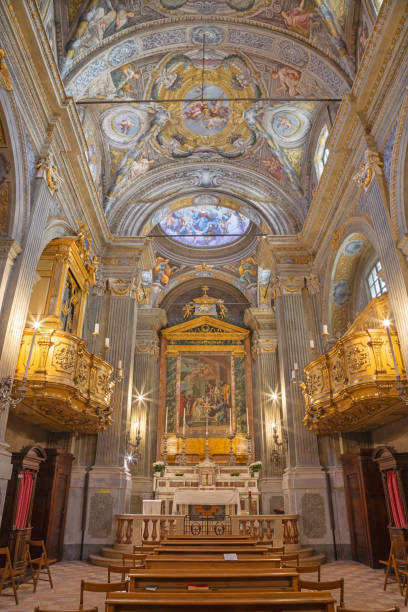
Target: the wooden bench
pixel 226 577
pixel 167 563
pixel 206 542
pixel 244 601
pixel 241 551
pixel 222 538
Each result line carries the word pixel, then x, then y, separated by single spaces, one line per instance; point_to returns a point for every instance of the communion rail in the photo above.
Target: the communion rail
pixel 136 529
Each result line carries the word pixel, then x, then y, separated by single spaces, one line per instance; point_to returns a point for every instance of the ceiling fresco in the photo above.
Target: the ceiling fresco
pixel 200 119
pixel 103 21
pixel 205 225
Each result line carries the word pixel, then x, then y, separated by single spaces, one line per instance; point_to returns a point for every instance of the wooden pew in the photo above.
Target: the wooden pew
pixel 192 541
pixel 163 562
pixel 244 601
pixel 241 551
pixel 226 577
pixel 222 538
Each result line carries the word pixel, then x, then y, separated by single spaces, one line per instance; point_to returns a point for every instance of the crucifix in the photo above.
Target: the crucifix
pixel 207 405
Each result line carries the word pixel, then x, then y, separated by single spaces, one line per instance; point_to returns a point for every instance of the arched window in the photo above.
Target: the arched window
pixel 376 284
pixel 377 5
pixel 322 152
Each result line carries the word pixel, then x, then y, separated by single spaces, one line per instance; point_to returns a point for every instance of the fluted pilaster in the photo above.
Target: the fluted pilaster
pixel 293 342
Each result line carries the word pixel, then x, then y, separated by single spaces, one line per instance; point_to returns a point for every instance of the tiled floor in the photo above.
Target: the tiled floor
pixel 363 588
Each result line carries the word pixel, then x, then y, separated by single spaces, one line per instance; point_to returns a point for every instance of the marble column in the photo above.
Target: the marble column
pixel 267 406
pixel 144 411
pixel 19 278
pixel 304 481
pixel 109 482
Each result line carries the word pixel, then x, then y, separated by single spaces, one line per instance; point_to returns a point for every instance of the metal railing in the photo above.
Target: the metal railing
pixel 207 525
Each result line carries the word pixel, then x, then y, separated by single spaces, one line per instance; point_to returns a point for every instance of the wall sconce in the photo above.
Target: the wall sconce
pixel 6 384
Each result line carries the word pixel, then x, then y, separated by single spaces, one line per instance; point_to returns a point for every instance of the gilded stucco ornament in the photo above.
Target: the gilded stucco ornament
pixel 47 169
pixel 365 175
pixel 5 81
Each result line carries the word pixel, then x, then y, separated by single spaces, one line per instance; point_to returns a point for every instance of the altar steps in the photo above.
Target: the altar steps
pixel 110 556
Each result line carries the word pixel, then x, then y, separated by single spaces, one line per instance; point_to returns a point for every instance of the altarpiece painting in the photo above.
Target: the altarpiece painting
pixel 205 389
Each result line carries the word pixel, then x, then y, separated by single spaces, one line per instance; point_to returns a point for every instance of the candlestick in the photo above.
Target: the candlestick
pixel 325 330
pixel 387 327
pixel 96 330
pixel 36 326
pixel 107 344
pixel 293 375
pixel 312 344
pixel 230 419
pixel 184 419
pixel 119 364
pixel 296 366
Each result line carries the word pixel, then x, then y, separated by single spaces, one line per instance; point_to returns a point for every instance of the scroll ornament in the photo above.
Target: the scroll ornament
pixel 365 175
pixel 5 81
pixel 47 169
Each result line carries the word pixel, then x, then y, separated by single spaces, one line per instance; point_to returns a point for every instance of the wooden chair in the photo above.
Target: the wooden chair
pixel 327 585
pixel 7 572
pixel 118 569
pixel 308 569
pixel 354 610
pixel 404 573
pixel 37 609
pixel 397 561
pixel 289 557
pixel 100 587
pixel 38 565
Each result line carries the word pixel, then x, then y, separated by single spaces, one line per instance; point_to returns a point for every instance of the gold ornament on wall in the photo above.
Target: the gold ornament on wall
pixel 5 81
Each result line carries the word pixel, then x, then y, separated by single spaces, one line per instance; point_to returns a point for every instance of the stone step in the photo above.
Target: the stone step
pixel 111 556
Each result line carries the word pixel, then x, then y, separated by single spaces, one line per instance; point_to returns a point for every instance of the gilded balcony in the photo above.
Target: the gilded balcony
pixel 64 387
pixel 353 386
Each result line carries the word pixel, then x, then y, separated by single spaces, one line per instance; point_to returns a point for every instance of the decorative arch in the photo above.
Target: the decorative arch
pixel 17 177
pixel 344 292
pixel 399 175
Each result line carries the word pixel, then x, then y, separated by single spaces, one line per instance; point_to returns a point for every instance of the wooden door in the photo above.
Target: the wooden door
pixel 357 522
pixel 51 501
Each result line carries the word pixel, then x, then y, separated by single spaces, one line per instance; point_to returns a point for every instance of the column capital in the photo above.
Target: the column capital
pixel 290 284
pixel 260 318
pixel 9 248
pixel 151 319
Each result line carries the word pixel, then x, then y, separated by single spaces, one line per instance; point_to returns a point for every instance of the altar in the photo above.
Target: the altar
pixel 205 414
pixel 182 488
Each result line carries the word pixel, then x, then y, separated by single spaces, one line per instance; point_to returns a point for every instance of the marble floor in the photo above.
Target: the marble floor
pixel 363 588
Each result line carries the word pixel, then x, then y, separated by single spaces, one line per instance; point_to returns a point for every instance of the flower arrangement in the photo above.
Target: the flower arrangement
pixel 179 473
pixel 234 474
pixel 256 466
pixel 158 466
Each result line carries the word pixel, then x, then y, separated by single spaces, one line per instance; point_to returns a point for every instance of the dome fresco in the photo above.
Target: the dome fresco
pixel 204 226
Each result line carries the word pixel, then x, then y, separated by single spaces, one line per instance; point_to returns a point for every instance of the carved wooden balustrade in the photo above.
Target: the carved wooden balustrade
pixel 353 386
pixel 67 387
pixel 136 529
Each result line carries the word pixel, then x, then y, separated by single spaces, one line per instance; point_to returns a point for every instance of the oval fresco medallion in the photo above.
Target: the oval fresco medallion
pixel 285 123
pixel 206 118
pixel 125 124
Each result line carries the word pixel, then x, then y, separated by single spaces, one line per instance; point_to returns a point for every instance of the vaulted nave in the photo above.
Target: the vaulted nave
pixel 203 305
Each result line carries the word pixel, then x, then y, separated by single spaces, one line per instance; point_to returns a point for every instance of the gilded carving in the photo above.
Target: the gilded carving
pixel 64 358
pixel 47 169
pixel 361 390
pixel 4 207
pixel 357 358
pixel 365 175
pixel 55 399
pixel 5 81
